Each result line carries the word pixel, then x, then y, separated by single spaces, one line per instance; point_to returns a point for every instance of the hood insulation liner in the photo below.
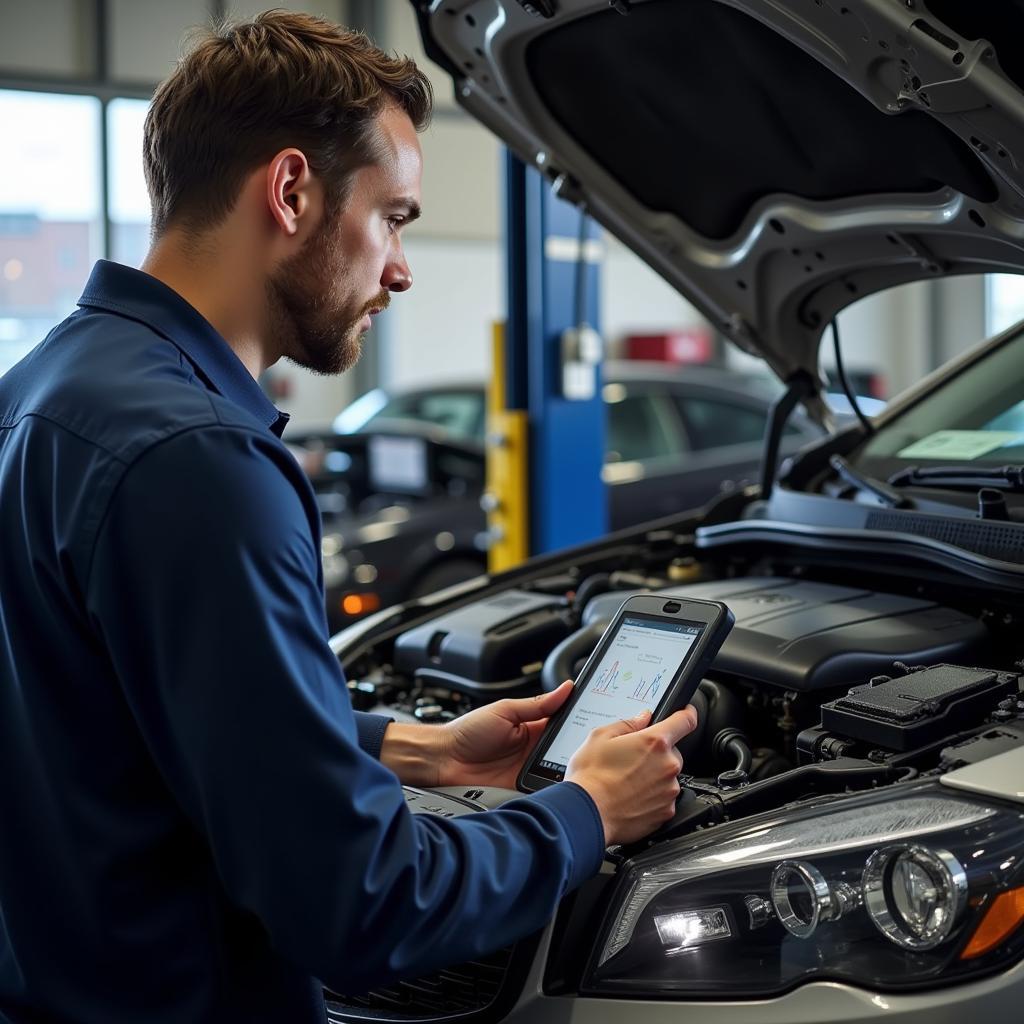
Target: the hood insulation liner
pixel 1001 22
pixel 713 111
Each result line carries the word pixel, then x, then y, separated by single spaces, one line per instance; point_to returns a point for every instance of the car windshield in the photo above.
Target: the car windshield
pixel 459 412
pixel 977 416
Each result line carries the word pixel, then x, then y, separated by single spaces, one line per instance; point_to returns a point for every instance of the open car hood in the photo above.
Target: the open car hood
pixel 774 160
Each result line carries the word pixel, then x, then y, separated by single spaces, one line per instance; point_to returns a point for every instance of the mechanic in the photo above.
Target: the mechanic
pixel 195 824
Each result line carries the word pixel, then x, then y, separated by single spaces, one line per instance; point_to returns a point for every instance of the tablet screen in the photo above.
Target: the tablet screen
pixel 632 676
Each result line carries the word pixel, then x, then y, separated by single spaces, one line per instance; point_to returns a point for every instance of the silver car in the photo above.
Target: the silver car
pixel 849 846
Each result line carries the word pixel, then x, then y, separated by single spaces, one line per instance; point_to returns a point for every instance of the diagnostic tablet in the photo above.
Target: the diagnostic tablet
pixel 651 657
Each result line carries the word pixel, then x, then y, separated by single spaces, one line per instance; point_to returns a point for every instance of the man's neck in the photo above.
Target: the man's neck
pixel 222 286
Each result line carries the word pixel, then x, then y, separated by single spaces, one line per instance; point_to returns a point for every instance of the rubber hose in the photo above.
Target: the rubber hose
pixel 741 752
pixel 560 664
pixel 723 708
pixel 590 587
pixel 689 746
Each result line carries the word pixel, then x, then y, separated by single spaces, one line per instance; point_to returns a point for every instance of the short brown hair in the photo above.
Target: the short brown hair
pixel 244 91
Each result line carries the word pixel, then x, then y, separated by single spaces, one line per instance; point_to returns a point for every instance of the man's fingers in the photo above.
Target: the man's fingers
pixel 676 726
pixel 626 725
pixel 529 709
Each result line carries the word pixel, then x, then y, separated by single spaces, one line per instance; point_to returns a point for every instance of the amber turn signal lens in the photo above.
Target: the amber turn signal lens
pixel 359 604
pixel 1002 918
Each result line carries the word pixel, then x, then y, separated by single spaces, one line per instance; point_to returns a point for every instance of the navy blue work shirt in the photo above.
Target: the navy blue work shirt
pixel 193 822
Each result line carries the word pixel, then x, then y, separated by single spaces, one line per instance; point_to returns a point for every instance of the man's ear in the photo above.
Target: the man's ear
pixel 289 184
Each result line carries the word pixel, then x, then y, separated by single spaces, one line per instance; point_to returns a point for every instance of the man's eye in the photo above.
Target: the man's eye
pixel 395 222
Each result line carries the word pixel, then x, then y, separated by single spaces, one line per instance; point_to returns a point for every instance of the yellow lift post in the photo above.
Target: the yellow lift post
pixel 505 496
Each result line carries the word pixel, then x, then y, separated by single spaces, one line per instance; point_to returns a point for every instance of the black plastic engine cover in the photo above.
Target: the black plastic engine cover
pixel 807 636
pixel 494 640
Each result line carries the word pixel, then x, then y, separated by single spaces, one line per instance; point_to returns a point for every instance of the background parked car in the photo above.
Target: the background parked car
pixel 399 485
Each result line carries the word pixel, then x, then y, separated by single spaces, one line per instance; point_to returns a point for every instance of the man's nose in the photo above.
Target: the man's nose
pixel 397 277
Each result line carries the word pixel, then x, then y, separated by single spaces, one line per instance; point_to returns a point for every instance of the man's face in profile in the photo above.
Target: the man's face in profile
pixel 322 299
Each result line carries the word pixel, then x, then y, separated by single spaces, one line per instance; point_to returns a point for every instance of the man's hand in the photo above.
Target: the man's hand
pixel 490 745
pixel 629 769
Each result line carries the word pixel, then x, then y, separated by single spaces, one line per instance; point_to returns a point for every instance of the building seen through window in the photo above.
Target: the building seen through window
pixel 51 222
pixel 129 200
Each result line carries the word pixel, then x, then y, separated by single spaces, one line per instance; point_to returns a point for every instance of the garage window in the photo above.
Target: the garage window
pixel 1004 301
pixel 129 200
pixel 51 222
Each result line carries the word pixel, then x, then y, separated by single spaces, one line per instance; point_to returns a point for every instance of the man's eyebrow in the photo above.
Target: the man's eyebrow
pixel 412 208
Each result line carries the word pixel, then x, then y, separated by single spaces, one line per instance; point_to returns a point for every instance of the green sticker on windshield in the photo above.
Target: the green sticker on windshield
pixel 960 444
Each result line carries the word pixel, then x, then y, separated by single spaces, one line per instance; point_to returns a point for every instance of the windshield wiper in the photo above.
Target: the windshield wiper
pixel 868 485
pixel 1003 478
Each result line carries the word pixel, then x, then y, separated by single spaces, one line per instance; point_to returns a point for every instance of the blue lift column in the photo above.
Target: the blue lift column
pixel 546 369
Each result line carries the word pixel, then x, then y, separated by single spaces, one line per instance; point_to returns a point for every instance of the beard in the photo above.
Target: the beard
pixel 313 326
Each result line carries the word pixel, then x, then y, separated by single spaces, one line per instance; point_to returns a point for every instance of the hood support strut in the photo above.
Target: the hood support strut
pixel 800 385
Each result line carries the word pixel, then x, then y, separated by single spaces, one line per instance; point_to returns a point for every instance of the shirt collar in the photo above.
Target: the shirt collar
pixel 132 293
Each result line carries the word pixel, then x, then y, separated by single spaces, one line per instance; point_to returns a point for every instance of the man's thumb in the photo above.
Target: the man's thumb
pixel 544 706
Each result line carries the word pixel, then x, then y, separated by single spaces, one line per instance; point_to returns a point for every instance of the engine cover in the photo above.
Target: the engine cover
pixel 494 640
pixel 807 636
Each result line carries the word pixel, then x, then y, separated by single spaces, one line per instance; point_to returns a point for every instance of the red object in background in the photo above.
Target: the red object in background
pixel 689 345
pixel 277 386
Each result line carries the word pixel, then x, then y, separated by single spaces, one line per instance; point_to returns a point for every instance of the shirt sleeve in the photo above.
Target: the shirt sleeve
pixel 204 589
pixel 371 729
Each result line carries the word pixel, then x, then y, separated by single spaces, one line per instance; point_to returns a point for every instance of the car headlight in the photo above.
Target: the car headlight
pixel 911 888
pixel 334 561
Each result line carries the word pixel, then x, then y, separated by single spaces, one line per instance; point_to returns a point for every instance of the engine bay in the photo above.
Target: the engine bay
pixel 830 687
pixel 821 687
